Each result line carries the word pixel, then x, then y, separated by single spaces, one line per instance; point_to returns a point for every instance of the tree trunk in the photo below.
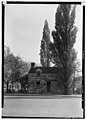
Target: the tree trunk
pixel 7 86
pixel 65 89
pixel 65 82
pixel 12 85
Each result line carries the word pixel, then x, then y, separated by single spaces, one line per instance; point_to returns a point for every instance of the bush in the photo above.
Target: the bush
pixel 22 91
pixel 78 91
pixel 10 91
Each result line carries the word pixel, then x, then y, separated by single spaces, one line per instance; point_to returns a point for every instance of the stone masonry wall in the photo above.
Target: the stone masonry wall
pixel 33 88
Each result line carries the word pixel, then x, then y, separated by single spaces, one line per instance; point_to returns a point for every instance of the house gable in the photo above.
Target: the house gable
pixel 46 82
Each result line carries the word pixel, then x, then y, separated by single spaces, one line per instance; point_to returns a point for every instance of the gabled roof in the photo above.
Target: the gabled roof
pixel 51 70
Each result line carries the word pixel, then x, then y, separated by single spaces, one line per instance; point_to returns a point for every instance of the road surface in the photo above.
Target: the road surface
pixel 43 106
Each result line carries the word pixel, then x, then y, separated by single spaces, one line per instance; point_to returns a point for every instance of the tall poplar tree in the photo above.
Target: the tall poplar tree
pixel 44 51
pixel 64 36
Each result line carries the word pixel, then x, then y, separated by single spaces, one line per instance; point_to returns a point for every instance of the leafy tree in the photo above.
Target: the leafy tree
pixel 6 51
pixel 24 74
pixel 7 71
pixel 14 67
pixel 62 52
pixel 44 51
pixel 24 67
pixel 11 69
pixel 24 82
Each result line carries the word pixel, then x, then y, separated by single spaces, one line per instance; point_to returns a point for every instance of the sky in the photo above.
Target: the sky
pixel 24 26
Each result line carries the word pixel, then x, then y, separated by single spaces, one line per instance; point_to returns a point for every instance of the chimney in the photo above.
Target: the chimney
pixel 32 65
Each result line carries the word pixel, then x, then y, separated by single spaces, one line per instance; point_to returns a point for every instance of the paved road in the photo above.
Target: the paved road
pixel 50 106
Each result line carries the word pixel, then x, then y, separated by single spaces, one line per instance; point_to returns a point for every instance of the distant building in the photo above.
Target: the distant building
pixel 16 87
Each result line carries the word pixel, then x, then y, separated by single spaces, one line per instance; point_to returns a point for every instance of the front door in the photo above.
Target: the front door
pixel 48 86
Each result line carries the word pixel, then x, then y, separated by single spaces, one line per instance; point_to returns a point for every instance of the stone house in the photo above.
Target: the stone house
pixel 43 80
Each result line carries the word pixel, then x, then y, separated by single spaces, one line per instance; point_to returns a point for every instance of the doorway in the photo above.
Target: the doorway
pixel 48 86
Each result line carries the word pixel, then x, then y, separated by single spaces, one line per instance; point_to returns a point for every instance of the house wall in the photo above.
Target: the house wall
pixel 43 79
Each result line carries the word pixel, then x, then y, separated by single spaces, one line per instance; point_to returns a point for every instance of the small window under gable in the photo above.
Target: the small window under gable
pixel 38 72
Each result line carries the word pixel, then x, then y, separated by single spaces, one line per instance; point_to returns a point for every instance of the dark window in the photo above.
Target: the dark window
pixel 38 73
pixel 38 83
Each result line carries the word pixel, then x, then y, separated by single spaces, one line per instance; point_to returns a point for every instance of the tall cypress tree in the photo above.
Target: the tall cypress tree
pixel 64 37
pixel 44 51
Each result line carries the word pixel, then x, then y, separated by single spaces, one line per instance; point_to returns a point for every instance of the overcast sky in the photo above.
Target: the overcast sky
pixel 24 26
